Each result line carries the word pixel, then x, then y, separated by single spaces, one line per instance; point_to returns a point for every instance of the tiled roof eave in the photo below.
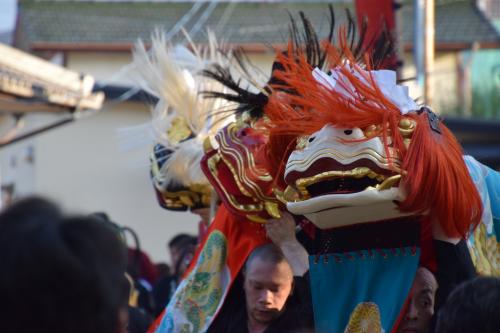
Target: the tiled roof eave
pixel 248 47
pixel 90 25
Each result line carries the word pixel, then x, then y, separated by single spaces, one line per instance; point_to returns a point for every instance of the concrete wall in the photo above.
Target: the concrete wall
pixel 81 166
pixel 444 81
pixel 102 66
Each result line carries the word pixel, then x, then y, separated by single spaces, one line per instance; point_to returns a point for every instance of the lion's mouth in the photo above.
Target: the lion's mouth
pixel 344 182
pixel 344 179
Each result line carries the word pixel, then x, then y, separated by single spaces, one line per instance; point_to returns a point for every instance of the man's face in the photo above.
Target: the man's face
pixel 267 287
pixel 175 254
pixel 421 306
pixel 185 259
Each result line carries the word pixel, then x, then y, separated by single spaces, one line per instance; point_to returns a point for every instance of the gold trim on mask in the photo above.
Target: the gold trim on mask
pixel 272 209
pixel 372 131
pixel 388 183
pixel 406 127
pixel 205 191
pixel 212 166
pixel 359 172
pixel 288 195
pixel 207 145
pixel 339 156
pixel 256 218
pixel 237 181
pixel 179 199
pixel 302 142
pixel 195 194
pixel 301 192
pixel 178 131
pixel 262 173
pixel 239 174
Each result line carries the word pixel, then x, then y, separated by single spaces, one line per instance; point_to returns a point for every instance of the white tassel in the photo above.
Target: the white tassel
pixel 170 73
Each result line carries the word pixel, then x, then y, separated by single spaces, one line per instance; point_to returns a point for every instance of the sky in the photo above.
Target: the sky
pixel 7 14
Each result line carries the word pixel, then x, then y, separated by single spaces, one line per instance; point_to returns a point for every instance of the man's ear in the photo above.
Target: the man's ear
pixel 293 287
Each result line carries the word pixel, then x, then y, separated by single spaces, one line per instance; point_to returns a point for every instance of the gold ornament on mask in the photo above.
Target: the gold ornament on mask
pixel 406 127
pixel 178 131
pixel 302 142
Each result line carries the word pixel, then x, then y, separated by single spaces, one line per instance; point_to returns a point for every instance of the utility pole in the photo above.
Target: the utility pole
pixel 423 46
pixel 429 51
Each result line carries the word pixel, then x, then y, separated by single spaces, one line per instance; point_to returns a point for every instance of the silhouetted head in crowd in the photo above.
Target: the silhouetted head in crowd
pixel 59 274
pixel 163 269
pixel 181 247
pixel 474 306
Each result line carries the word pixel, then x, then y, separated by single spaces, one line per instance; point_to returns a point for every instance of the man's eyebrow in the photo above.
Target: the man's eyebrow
pixel 427 290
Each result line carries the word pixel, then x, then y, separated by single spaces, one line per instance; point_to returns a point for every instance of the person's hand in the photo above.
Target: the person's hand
pixel 281 231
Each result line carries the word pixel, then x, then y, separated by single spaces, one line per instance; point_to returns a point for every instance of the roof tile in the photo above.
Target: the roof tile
pixel 124 22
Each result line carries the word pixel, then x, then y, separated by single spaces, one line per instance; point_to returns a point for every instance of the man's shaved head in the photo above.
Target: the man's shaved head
pixel 269 253
pixel 420 309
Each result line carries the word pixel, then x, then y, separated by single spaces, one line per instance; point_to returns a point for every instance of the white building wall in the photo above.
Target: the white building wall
pixel 81 166
pixel 17 171
pixel 104 67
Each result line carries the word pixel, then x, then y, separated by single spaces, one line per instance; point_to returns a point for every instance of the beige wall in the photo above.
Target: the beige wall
pixel 444 80
pixel 115 67
pixel 102 66
pixel 263 61
pixel 81 166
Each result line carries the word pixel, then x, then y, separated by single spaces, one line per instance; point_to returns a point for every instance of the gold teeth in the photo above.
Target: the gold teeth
pixel 272 209
pixel 388 183
pixel 289 195
pixel 301 184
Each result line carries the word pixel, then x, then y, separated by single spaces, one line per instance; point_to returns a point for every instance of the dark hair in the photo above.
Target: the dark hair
pixel 30 209
pixel 474 306
pixel 181 240
pixel 58 274
pixel 267 252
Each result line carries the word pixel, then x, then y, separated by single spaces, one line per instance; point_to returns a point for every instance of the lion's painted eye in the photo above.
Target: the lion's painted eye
pixel 311 139
pixel 348 132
